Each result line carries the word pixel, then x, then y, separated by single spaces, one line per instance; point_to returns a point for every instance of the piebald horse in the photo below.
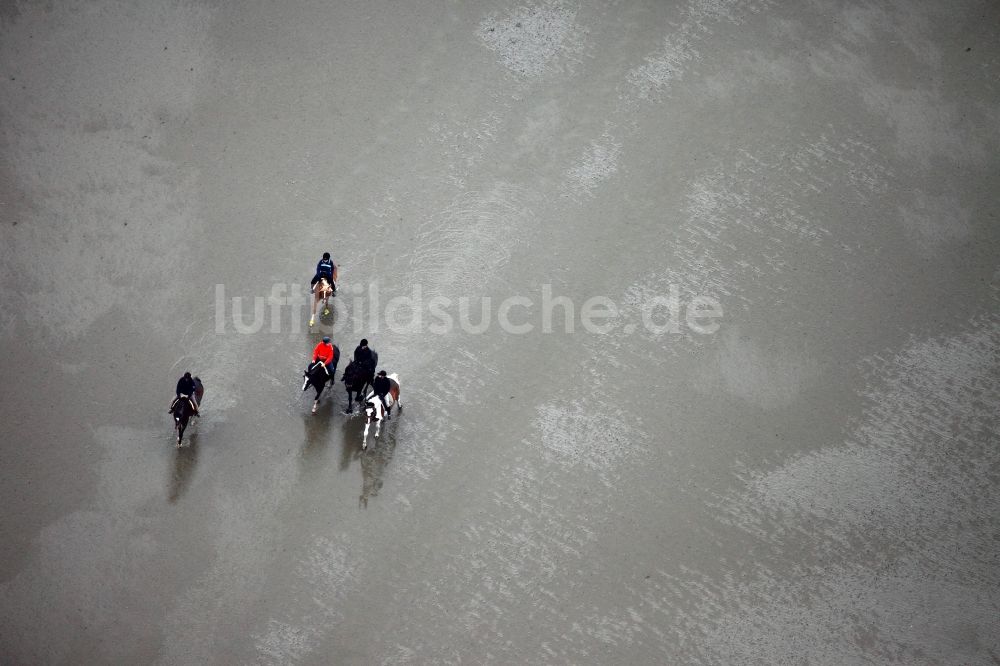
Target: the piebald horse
pixel 375 413
pixel 322 292
pixel 317 376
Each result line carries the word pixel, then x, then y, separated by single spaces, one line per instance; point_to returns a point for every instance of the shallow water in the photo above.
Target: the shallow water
pixel 816 481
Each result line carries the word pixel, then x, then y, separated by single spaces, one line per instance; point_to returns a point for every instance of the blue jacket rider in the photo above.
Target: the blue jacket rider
pixel 325 269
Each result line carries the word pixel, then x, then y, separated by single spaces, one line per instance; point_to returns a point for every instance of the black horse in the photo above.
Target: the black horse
pixel 183 410
pixel 357 379
pixel 318 377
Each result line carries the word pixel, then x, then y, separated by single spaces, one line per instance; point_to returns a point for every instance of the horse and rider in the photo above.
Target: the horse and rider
pixel 358 376
pixel 379 403
pixel 321 369
pixel 187 397
pixel 359 373
pixel 187 388
pixel 323 285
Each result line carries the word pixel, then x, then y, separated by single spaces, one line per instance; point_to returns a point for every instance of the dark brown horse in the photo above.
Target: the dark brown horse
pixel 357 379
pixel 183 409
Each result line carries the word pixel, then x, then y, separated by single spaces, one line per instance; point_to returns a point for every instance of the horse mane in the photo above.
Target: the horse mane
pixel 349 372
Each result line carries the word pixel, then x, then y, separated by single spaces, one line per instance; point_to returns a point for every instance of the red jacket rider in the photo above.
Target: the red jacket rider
pixel 326 352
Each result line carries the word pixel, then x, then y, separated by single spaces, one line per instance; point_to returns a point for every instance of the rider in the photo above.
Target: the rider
pixel 325 269
pixel 366 358
pixel 186 388
pixel 381 388
pixel 328 353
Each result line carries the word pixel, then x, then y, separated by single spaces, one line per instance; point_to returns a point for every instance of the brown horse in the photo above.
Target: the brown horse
pixel 321 292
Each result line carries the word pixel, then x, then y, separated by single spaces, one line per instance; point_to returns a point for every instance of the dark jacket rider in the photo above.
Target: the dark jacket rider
pixel 381 387
pixel 186 388
pixel 366 358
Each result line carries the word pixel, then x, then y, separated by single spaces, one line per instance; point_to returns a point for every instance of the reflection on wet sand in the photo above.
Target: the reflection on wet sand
pixel 350 442
pixel 185 459
pixel 373 464
pixel 317 432
pixel 373 461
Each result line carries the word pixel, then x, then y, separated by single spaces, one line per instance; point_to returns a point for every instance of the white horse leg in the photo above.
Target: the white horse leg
pixel 378 428
pixel 364 439
pixel 312 317
pixel 315 405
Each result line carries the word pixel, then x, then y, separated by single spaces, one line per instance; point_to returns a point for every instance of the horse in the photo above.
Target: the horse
pixel 322 292
pixel 357 379
pixel 375 413
pixel 183 409
pixel 317 376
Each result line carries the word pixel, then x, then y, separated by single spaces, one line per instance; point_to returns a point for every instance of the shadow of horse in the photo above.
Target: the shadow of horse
pixel 317 431
pixel 185 460
pixel 373 465
pixel 374 460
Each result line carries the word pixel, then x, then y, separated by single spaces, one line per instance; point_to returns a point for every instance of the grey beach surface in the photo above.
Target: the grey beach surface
pixel 812 477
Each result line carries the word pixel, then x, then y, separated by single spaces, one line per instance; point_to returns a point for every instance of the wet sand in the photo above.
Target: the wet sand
pixel 814 482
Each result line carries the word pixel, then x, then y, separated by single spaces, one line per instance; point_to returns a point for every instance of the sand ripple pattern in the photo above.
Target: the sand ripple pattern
pixel 533 39
pixel 901 520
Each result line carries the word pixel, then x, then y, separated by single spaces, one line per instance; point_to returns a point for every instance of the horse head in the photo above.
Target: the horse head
pixel 373 408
